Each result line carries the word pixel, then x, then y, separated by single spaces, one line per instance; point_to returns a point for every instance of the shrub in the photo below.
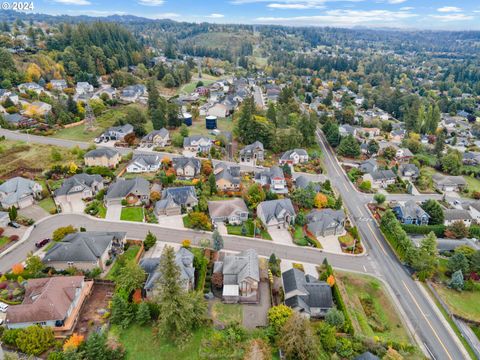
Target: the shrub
pixel 73 342
pixel 61 232
pixel 35 340
pixel 17 269
pixel 365 186
pixel 438 230
pixel 13 237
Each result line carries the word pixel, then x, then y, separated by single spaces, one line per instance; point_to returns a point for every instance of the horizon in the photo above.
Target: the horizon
pixel 407 15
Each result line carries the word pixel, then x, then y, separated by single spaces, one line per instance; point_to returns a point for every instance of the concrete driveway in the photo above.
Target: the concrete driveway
pixel 34 212
pixel 330 244
pixel 73 207
pixel 280 236
pixel 222 229
pixel 113 212
pixel 255 315
pixel 174 221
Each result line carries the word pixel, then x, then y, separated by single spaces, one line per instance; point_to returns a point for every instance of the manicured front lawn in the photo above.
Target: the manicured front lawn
pixel 132 214
pixel 370 307
pixel 141 344
pixel 102 211
pixel 464 304
pixel 48 205
pixel 250 227
pixel 4 241
pixel 129 255
pixel 227 313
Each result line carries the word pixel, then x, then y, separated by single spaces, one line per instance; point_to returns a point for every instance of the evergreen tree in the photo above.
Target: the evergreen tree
pixel 13 213
pixel 72 105
pixel 121 313
pixel 439 144
pixel 212 183
pixel 457 281
pixel 297 339
pixel 217 241
pixel 349 147
pixel 332 133
pixel 149 241
pixel 434 210
pixel 143 314
pixel 272 113
pixel 458 262
pixel 372 147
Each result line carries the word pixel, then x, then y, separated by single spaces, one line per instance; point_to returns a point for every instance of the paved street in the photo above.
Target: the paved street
pixel 427 325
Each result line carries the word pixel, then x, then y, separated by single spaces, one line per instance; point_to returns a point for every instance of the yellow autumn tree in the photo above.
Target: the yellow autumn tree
pixel 33 72
pixel 31 110
pixel 320 201
pixel 186 243
pixel 72 168
pixel 73 342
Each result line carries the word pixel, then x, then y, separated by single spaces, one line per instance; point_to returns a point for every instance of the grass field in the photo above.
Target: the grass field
pixel 128 255
pixel 370 307
pixel 4 241
pixel 48 205
pixel 237 230
pixel 140 344
pixel 15 155
pixel 473 184
pixel 198 126
pixel 464 304
pixel 227 313
pixel 132 214
pixel 192 85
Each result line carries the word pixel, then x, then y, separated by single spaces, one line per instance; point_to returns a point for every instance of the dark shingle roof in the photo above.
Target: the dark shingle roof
pixel 123 187
pixel 109 153
pixel 82 180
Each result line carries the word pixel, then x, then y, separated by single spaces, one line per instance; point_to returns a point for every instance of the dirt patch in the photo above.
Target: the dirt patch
pixel 94 309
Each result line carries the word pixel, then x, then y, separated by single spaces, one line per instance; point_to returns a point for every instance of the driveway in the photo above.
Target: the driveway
pixel 255 315
pixel 113 212
pixel 174 221
pixel 280 236
pixel 34 212
pixel 157 250
pixel 330 244
pixel 222 229
pixel 73 207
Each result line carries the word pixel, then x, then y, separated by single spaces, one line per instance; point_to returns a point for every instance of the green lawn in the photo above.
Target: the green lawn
pixel 192 85
pixel 48 205
pixel 3 241
pixel 132 214
pixel 370 307
pixel 227 313
pixel 464 304
pixel 198 127
pixel 473 184
pixel 237 230
pixel 476 330
pixel 140 344
pixel 129 255
pixel 102 211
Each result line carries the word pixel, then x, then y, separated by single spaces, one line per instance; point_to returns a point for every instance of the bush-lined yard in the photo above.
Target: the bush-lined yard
pixel 128 256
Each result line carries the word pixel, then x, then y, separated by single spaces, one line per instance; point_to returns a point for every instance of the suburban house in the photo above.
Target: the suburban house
pixel 278 213
pixel 38 108
pixel 302 182
pixel 186 167
pixel 31 86
pixel 369 166
pixel 218 110
pixel 160 138
pixel 184 261
pixel 370 132
pixel 117 132
pixel 273 178
pixel 19 192
pixel 408 172
pixel 51 301
pixel 381 178
pixel 241 277
pixel 455 215
pixel 19 121
pixel 326 222
pixel 306 295
pixel 411 213
pixel 59 84
pixel 4 218
pixel 448 183
pixel 197 143
pixel 83 88
pixel 474 209
pixel 75 189
pixel 471 158
pixel 397 135
pixel 85 250
pixel 346 130
pixel 294 157
pixel 134 191
pixel 102 157
pixel 253 152
pixel 403 155
pixel 144 163
pixel 227 177
pixel 132 93
pixel 233 211
pixel 175 199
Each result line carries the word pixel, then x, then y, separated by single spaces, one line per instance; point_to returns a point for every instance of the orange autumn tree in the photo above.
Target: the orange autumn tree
pixel 17 269
pixel 331 280
pixel 320 201
pixel 73 342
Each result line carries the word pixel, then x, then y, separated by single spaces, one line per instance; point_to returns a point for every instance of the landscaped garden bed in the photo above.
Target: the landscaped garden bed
pixel 11 292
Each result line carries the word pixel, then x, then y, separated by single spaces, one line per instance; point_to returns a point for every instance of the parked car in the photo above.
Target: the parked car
pixel 3 307
pixel 14 224
pixel 42 243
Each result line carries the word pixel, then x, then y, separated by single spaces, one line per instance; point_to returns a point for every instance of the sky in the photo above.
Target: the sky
pixel 406 14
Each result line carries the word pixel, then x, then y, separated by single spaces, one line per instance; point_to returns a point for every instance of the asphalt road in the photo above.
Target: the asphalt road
pixel 428 326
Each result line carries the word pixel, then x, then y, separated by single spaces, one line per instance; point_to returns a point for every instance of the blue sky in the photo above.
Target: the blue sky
pixel 421 14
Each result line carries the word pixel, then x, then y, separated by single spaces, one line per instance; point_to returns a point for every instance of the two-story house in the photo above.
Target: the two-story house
pixel 186 167
pixel 294 157
pixel 411 213
pixel 273 178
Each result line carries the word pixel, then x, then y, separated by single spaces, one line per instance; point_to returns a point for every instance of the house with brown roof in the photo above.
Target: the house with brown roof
pixel 54 301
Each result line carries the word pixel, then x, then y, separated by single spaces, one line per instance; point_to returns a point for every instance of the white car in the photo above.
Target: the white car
pixel 3 307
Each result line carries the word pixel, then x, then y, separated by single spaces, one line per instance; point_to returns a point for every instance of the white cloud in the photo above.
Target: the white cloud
pixel 151 2
pixel 449 9
pixel 215 16
pixel 296 6
pixel 396 1
pixel 407 8
pixel 344 18
pixel 453 17
pixel 73 2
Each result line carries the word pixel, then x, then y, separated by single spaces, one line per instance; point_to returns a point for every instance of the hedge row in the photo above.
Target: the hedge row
pixel 337 296
pixel 475 231
pixel 424 229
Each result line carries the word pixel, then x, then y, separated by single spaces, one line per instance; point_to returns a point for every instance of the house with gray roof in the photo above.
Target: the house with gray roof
pixel 471 158
pixel 455 215
pixel 411 213
pixel 19 192
pixel 326 222
pixel 105 157
pixel 276 213
pixel 132 93
pixel 448 183
pixel 186 167
pixel 175 199
pixel 368 166
pixel 85 250
pixel 273 178
pixel 160 138
pixel 346 130
pixel 4 218
pixel 252 152
pixel 474 209
pixel 380 179
pixel 117 133
pixel 18 120
pixel 142 163
pixel 59 84
pixel 197 143
pixel 302 182
pixel 134 191
pixel 227 177
pixel 408 172
pixel 367 356
pixel 241 277
pixel 294 157
pixel 306 295
pixel 234 211
pixel 77 188
pixel 183 260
